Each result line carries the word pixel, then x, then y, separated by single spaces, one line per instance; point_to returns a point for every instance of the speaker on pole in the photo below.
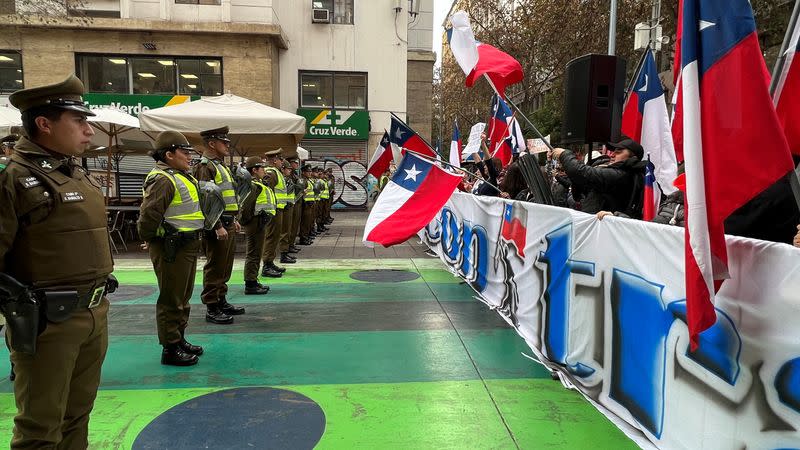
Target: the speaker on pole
pixel 593 95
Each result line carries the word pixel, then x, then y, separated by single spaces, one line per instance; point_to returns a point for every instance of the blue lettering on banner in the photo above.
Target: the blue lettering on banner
pixel 557 296
pixel 640 322
pixel 465 247
pixel 787 383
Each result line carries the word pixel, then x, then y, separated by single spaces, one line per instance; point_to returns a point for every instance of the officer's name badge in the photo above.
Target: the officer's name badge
pixel 73 197
pixel 29 182
pixel 45 164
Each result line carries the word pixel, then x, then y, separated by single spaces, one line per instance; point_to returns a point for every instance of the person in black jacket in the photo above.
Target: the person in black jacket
pixel 619 184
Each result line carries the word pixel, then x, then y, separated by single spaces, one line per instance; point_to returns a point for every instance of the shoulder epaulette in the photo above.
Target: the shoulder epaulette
pixel 204 160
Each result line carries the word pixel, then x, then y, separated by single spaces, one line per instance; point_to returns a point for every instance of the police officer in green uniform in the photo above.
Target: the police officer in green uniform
pixel 274 179
pixel 54 241
pixel 288 214
pixel 331 195
pixel 324 196
pixel 309 204
pixel 219 244
pixel 299 190
pixel 257 210
pixel 170 221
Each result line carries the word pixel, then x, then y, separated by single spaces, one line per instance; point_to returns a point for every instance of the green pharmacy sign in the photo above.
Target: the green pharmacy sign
pixel 333 124
pixel 135 104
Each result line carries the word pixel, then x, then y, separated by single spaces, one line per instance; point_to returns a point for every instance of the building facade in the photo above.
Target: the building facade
pixel 345 65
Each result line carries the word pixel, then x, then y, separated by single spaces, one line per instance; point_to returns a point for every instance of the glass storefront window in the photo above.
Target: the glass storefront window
pixel 153 75
pixel 104 74
pixel 10 72
pixel 343 12
pixel 350 91
pixel 199 77
pixel 316 90
pixel 333 90
pixel 160 75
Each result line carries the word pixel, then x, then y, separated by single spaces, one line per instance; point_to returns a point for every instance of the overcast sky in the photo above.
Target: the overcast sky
pixel 440 8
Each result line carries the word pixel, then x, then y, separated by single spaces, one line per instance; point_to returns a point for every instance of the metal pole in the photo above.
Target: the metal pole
pixel 510 102
pixel 785 46
pixel 612 29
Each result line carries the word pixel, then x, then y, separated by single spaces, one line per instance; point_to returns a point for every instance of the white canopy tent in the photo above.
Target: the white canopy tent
pixel 117 134
pixel 254 127
pixel 10 118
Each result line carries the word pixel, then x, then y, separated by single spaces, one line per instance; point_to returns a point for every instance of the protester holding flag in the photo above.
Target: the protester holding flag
pixel 619 184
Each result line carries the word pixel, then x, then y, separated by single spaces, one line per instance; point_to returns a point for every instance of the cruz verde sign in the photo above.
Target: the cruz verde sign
pixel 333 124
pixel 135 104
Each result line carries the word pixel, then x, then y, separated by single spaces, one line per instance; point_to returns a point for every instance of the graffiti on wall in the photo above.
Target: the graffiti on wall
pixel 352 187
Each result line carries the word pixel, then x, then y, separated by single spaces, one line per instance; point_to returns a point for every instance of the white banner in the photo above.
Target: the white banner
pixel 602 302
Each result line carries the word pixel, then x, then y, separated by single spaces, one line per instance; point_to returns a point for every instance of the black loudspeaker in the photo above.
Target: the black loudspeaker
pixel 593 97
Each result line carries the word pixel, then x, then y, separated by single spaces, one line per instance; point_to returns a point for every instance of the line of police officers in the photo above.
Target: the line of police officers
pixel 56 262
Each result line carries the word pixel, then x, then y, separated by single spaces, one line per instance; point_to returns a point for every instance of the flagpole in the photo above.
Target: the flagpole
pixel 428 158
pixel 404 123
pixel 510 102
pixel 784 47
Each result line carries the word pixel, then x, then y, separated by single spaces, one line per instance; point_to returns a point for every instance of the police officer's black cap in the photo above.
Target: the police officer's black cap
pixel 220 134
pixel 630 144
pixel 305 168
pixel 67 94
pixel 273 153
pixel 254 161
pixel 11 138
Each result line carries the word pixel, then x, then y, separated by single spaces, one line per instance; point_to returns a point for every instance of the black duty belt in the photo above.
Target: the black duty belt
pixel 190 235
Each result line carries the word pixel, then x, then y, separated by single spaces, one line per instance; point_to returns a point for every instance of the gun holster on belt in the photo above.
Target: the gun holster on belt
pixel 263 219
pixel 21 311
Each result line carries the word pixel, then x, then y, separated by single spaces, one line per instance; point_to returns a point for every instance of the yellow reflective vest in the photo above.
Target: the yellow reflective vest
pixel 183 212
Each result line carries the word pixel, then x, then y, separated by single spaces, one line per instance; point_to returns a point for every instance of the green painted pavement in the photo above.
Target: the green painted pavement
pixel 292 275
pixel 444 414
pixel 326 293
pixel 256 359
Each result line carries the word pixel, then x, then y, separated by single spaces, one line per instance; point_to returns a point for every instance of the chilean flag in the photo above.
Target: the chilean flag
pixel 646 121
pixel 403 136
pixel 499 127
pixel 476 58
pixel 411 199
pixel 787 94
pixel 733 143
pixel 514 229
pixel 455 146
pixel 382 157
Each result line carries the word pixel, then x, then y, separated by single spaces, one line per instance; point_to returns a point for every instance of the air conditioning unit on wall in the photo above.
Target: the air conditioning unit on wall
pixel 319 15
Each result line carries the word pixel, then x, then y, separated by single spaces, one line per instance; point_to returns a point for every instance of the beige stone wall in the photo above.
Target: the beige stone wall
pixel 419 93
pixel 249 61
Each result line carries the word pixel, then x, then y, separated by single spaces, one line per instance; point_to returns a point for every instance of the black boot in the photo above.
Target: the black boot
pixel 215 315
pixel 287 259
pixel 277 267
pixel 305 241
pixel 270 271
pixel 255 288
pixel 229 309
pixel 294 249
pixel 174 355
pixel 12 376
pixel 189 348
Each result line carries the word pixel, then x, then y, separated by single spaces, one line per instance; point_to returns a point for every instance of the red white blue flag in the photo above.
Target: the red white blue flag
pixel 477 59
pixel 404 137
pixel 416 192
pixel 455 146
pixel 514 229
pixel 646 121
pixel 733 144
pixel 499 130
pixel 382 157
pixel 787 93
